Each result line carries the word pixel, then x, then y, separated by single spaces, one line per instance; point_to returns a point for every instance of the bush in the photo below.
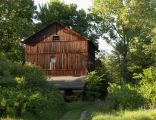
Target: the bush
pixel 147 86
pixel 30 102
pixel 124 97
pixel 24 90
pixel 96 86
pixel 142 95
pixel 10 72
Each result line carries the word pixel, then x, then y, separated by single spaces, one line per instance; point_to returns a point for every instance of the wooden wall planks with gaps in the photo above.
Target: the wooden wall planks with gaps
pixel 69 54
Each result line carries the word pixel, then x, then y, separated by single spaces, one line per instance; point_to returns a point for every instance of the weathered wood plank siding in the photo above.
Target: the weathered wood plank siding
pixel 71 52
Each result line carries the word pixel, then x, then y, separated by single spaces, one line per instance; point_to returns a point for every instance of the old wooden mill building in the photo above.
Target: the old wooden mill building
pixel 63 54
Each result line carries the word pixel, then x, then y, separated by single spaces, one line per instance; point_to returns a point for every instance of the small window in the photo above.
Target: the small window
pixel 56 37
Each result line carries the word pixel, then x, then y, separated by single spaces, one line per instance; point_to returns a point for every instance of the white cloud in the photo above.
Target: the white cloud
pixel 41 1
pixel 85 4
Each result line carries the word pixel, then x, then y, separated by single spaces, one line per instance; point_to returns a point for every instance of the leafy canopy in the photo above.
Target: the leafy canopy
pixel 125 22
pixel 68 15
pixel 15 23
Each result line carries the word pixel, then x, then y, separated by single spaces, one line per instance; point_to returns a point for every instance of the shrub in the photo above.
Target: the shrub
pixel 31 74
pixel 30 101
pixel 147 86
pixel 24 90
pixel 141 95
pixel 96 86
pixel 124 96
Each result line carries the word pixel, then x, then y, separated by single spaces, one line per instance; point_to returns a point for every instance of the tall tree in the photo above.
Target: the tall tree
pixel 125 21
pixel 16 22
pixel 68 15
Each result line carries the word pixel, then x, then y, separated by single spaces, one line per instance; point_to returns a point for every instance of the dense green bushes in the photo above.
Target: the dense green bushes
pixel 134 96
pixel 147 86
pixel 20 103
pixel 24 91
pixel 96 86
pixel 124 96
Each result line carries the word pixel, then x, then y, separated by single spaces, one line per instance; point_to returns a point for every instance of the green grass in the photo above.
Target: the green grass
pixel 126 115
pixel 101 111
pixel 9 119
pixel 75 109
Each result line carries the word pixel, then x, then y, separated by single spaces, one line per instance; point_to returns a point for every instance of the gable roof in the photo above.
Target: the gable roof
pixel 34 39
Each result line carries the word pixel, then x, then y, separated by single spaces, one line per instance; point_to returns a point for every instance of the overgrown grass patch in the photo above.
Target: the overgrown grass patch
pixel 75 109
pixel 125 115
pixel 100 110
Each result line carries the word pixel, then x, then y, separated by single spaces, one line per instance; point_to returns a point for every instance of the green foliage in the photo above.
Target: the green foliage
pixel 15 24
pixel 125 115
pixel 16 102
pixel 141 95
pixel 97 81
pixel 95 86
pixel 24 91
pixel 108 66
pixel 141 54
pixel 147 86
pixel 31 74
pixel 101 66
pixel 68 15
pixel 11 74
pixel 125 23
pixel 124 97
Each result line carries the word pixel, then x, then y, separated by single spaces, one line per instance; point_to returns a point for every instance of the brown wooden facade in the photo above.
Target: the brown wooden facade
pixel 60 51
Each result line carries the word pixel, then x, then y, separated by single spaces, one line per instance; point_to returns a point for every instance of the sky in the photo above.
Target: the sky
pixel 84 4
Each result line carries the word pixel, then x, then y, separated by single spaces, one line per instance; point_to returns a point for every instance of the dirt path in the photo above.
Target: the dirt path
pixel 83 115
pixel 72 116
pixel 65 116
pixel 78 111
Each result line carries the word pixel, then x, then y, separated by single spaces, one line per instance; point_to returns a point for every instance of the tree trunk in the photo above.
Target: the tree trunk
pixel 125 75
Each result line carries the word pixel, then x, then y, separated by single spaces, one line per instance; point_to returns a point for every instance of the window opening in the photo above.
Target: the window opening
pixel 52 61
pixel 56 37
